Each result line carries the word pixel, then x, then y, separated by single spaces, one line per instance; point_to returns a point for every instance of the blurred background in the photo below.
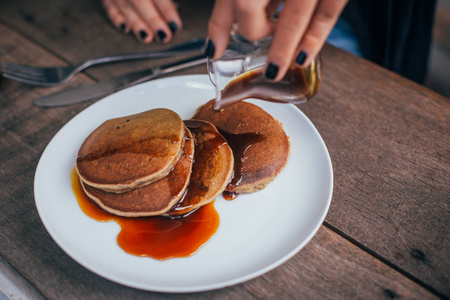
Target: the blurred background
pixel 438 78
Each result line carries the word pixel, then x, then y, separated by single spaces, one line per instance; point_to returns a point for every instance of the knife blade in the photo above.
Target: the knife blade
pixel 114 84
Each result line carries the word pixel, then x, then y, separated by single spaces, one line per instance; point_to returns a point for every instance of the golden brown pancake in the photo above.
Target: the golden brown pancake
pixel 211 171
pixel 153 199
pixel 268 146
pixel 129 152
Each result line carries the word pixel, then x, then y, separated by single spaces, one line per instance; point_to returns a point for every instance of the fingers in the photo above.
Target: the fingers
pixel 292 24
pixel 148 12
pixel 148 19
pixel 115 16
pixel 170 14
pixel 252 18
pixel 219 28
pixel 140 29
pixel 323 21
pixel 300 33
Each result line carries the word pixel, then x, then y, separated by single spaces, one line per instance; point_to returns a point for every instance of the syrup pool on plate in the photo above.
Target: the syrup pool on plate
pixel 157 237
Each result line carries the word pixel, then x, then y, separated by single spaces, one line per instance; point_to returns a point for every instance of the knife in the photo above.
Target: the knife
pixel 114 84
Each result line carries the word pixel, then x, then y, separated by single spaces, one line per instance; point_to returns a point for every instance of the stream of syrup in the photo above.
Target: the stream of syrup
pixel 157 237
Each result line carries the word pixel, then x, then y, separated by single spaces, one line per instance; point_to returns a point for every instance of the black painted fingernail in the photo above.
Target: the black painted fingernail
pixel 161 35
pixel 271 71
pixel 143 34
pixel 122 27
pixel 210 49
pixel 301 57
pixel 173 27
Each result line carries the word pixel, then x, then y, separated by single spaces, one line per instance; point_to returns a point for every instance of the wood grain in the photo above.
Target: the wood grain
pixel 389 143
pixel 387 137
pixel 26 244
pixel 78 30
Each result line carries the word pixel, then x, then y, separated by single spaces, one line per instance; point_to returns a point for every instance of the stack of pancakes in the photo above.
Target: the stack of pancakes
pixel 153 163
pixel 141 165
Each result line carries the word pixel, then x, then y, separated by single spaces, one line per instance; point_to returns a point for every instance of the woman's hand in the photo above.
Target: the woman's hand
pixel 147 19
pixel 298 34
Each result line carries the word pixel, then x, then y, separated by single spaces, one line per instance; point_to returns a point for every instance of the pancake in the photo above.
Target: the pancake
pixel 263 144
pixel 129 152
pixel 153 199
pixel 211 171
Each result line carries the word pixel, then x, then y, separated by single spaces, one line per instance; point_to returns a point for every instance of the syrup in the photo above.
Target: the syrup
pixel 294 87
pixel 229 195
pixel 143 147
pixel 157 237
pixel 239 143
pixel 198 186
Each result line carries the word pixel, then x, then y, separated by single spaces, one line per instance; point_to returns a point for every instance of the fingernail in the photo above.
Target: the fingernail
pixel 210 49
pixel 161 35
pixel 301 57
pixel 122 27
pixel 173 27
pixel 143 34
pixel 271 71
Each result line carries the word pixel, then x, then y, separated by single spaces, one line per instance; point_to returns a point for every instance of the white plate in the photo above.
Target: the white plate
pixel 257 232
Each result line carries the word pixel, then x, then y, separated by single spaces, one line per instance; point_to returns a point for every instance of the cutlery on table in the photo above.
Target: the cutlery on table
pixel 53 76
pixel 111 85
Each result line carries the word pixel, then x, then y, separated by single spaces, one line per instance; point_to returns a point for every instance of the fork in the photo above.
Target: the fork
pixel 52 76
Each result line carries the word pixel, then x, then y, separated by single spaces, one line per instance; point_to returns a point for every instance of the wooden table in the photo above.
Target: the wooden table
pixel 386 234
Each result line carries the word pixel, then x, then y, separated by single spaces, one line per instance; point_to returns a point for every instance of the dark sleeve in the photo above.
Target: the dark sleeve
pixel 396 34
